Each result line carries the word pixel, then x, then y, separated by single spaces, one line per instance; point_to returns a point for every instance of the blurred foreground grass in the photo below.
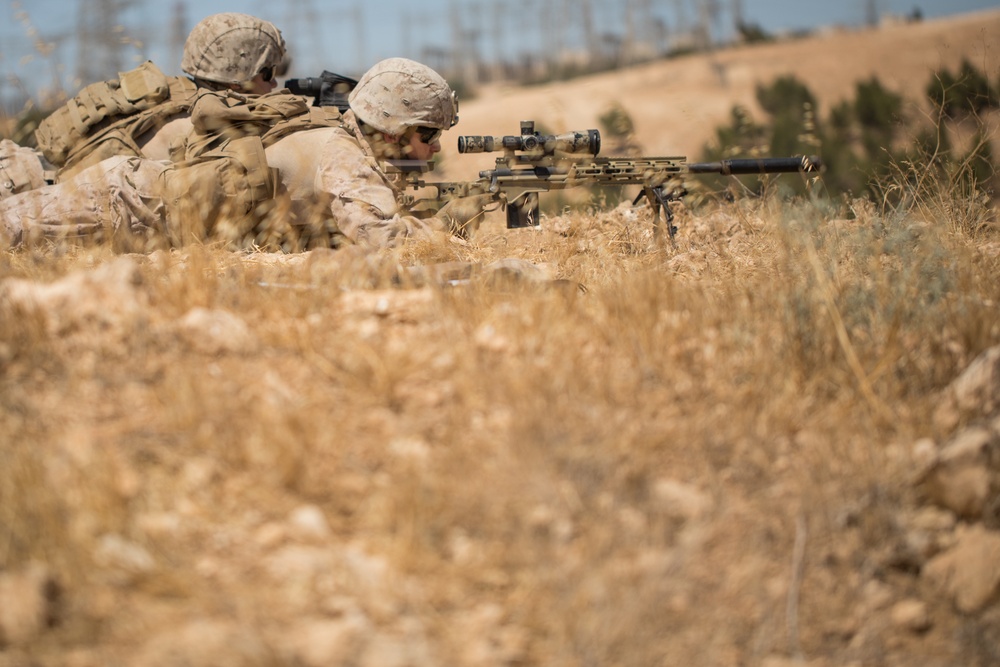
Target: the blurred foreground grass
pixel 492 473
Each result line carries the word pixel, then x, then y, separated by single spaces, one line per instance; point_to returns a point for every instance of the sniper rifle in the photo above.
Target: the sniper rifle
pixel 533 163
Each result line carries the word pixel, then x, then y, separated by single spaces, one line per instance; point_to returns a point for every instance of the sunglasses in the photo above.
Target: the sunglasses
pixel 267 73
pixel 428 135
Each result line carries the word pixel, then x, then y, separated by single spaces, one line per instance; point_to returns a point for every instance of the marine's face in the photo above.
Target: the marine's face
pixel 422 143
pixel 264 82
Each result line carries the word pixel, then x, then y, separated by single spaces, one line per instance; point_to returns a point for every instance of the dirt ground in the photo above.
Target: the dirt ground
pixel 773 442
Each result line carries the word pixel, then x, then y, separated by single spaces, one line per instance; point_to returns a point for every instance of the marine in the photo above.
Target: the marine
pixel 144 112
pixel 260 167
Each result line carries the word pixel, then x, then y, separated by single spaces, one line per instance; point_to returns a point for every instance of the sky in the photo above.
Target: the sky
pixel 347 36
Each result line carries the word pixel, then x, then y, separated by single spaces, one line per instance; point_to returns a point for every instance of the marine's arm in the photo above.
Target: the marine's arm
pixel 364 203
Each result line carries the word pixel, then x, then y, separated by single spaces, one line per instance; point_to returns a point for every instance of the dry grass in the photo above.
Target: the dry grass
pixel 699 460
pixel 704 458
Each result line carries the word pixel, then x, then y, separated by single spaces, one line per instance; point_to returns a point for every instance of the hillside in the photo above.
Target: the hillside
pixel 676 104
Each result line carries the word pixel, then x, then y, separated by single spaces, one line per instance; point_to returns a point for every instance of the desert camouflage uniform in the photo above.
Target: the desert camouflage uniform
pixel 143 113
pixel 21 169
pixel 133 192
pixel 119 193
pixel 343 167
pixel 330 179
pixel 336 169
pixel 146 133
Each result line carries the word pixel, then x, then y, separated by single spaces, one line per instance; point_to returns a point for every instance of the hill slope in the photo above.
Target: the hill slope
pixel 676 104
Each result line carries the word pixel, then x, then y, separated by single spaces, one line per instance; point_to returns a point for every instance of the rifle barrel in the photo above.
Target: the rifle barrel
pixel 765 165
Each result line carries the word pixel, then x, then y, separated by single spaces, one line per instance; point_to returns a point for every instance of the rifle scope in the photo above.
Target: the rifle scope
pixel 579 142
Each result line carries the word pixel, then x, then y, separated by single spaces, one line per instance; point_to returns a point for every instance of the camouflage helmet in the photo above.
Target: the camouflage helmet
pixel 232 48
pixel 399 93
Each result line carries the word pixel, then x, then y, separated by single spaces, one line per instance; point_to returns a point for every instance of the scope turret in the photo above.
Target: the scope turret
pixel 534 144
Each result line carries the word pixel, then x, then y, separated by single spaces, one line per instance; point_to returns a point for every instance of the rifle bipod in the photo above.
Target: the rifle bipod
pixel 658 200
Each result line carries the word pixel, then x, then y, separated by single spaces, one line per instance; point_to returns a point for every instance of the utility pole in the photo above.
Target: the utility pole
pixel 871 13
pixel 178 33
pixel 305 25
pixel 101 39
pixel 627 53
pixel 459 54
pixel 358 15
pixel 499 18
pixel 589 33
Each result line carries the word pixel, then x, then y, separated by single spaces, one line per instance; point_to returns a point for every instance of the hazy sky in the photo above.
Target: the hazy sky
pixel 348 36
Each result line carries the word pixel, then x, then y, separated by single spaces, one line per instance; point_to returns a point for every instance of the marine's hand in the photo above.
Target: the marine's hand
pixel 464 214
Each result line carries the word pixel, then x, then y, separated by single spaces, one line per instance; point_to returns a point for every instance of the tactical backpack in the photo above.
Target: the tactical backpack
pixel 106 118
pixel 20 169
pixel 220 177
pixel 220 116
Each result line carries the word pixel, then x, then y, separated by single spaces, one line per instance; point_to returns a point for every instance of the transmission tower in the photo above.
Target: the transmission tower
pixel 498 32
pixel 302 29
pixel 101 39
pixel 738 15
pixel 871 13
pixel 589 32
pixel 178 34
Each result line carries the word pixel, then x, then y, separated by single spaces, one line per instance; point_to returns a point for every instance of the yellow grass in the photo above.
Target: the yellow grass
pixel 690 454
pixel 499 464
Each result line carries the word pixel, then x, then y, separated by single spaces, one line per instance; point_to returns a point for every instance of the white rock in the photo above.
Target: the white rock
pixel 969 572
pixel 960 478
pixel 682 500
pixel 27 603
pixel 975 392
pixel 216 331
pixel 108 297
pixel 309 523
pixel 114 551
pixel 205 643
pixel 298 563
pixel 911 615
pixel 324 642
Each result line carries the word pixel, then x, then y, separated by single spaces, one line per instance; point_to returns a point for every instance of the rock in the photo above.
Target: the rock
pixel 932 519
pixel 107 297
pixel 969 572
pixel 928 531
pixel 960 477
pixel 387 650
pixel 681 500
pixel 270 535
pixel 513 269
pixel 782 661
pixel 205 643
pixel 159 525
pixel 911 615
pixel 975 392
pixel 487 639
pixel 323 642
pixel 126 559
pixel 924 452
pixel 308 523
pixel 216 331
pixel 28 604
pixel 876 595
